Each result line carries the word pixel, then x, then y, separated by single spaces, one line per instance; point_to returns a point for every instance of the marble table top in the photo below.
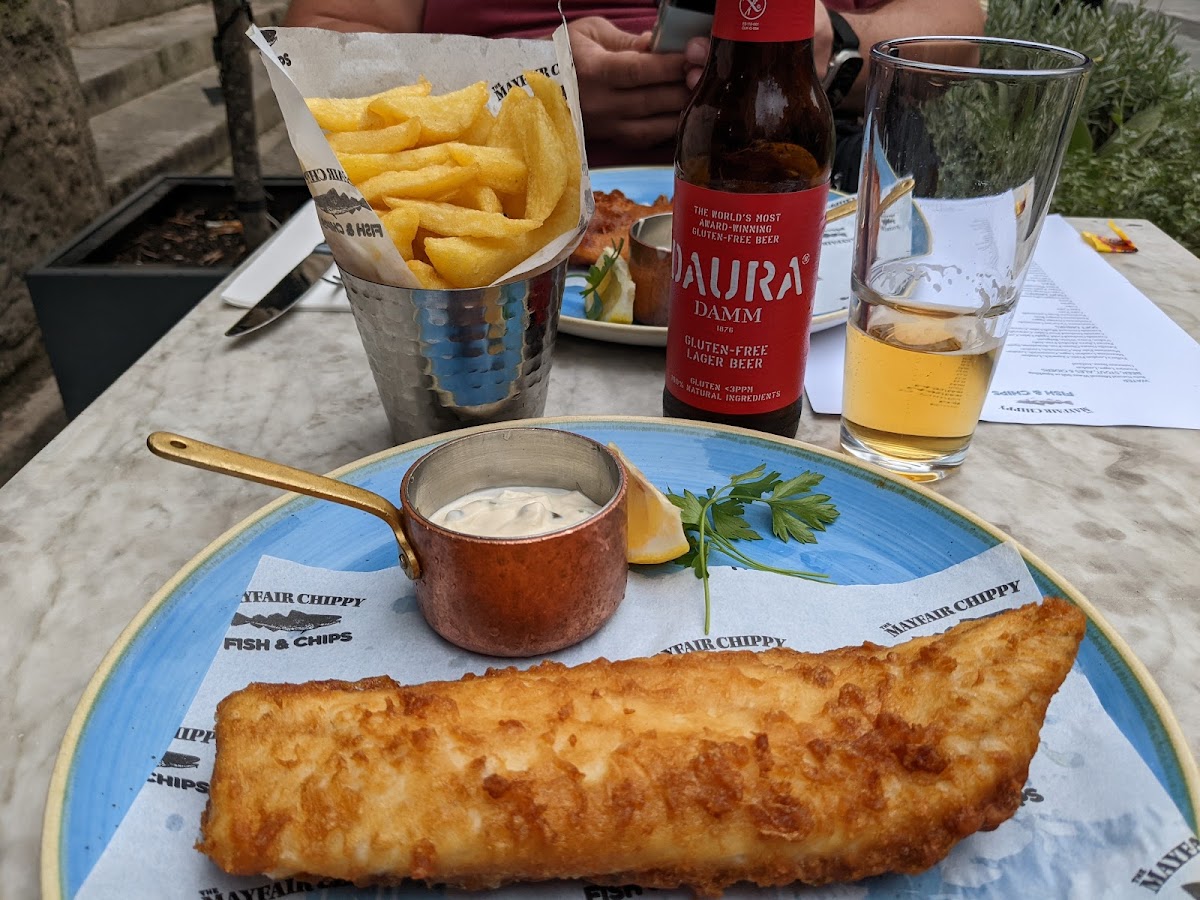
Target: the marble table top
pixel 94 525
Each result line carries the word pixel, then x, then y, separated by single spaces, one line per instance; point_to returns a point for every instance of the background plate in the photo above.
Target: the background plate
pixel 888 531
pixel 644 184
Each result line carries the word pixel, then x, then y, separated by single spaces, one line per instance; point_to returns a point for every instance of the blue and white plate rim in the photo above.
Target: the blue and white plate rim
pixel 1124 670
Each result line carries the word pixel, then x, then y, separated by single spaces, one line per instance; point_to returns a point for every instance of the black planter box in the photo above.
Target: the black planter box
pixel 97 318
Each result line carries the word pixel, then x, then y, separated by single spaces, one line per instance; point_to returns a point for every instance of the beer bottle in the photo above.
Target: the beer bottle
pixel 752 162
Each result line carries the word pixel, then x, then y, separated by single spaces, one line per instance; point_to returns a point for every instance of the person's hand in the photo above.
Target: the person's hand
pixel 696 51
pixel 626 93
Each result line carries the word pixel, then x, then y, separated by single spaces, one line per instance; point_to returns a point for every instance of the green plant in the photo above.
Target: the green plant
pixel 1133 153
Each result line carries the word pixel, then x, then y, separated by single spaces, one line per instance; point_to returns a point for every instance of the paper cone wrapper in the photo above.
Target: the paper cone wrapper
pixel 313 62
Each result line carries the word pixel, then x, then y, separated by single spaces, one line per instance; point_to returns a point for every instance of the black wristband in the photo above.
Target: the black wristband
pixel 845 60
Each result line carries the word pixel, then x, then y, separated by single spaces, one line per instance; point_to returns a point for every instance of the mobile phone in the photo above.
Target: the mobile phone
pixel 678 21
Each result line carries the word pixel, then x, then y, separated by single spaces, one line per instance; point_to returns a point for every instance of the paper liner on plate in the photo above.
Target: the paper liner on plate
pixel 313 62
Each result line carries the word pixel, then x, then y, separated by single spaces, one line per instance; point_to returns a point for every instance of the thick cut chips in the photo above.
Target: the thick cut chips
pixel 378 140
pixel 464 194
pixel 401 226
pixel 500 168
pixel 443 118
pixel 361 166
pixel 525 127
pixel 428 276
pixel 448 219
pixel 352 113
pixel 421 184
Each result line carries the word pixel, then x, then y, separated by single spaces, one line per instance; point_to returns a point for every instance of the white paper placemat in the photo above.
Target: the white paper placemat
pixel 1095 822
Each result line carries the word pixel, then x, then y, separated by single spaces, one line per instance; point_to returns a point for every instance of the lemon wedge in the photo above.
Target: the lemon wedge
pixel 655 524
pixel 615 291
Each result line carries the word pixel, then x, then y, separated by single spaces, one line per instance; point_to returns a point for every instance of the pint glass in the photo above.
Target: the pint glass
pixel 963 142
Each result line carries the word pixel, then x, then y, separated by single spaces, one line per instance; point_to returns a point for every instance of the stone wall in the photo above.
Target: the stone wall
pixel 50 183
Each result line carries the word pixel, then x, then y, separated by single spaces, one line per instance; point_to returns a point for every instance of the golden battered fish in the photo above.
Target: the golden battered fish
pixel 614 216
pixel 699 770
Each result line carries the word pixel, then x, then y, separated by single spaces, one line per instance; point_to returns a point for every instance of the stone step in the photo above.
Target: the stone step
pixel 121 63
pixel 1185 15
pixel 176 128
pixel 275 155
pixel 84 16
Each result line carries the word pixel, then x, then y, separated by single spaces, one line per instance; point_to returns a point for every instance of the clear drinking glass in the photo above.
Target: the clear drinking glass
pixel 964 139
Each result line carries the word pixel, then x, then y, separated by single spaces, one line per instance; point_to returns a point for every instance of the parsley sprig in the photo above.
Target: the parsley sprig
pixel 592 307
pixel 716 518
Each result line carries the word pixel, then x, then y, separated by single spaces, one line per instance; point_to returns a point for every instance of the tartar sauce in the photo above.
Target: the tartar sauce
pixel 514 511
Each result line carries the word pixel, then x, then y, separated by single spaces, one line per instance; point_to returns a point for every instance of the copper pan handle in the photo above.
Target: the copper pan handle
pixel 252 468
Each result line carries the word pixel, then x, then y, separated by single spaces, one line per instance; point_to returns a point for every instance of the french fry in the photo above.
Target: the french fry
pixel 500 168
pixel 566 215
pixel 353 113
pixel 477 196
pixel 361 166
pixel 545 160
pixel 401 226
pixel 418 184
pixel 428 277
pixel 443 118
pixel 473 262
pixel 480 129
pixel 507 132
pixel 547 90
pixel 392 139
pixel 335 114
pixel 456 221
pixel 524 126
pixel 550 94
pixel 421 88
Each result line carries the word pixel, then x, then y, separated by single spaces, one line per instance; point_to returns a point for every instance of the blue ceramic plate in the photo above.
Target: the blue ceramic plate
pixel 889 530
pixel 644 184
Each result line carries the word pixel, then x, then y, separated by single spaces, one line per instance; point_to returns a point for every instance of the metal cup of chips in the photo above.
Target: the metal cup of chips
pixel 447 359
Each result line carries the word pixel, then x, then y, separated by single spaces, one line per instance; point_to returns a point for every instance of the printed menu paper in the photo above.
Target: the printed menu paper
pixel 295 623
pixel 1085 348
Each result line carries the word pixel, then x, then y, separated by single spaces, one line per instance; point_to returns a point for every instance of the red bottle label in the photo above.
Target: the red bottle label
pixel 764 20
pixel 743 273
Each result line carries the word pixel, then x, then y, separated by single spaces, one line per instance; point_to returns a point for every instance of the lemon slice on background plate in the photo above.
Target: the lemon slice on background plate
pixel 655 524
pixel 614 292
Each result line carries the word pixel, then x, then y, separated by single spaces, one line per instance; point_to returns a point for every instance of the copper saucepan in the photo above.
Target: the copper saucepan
pixel 498 596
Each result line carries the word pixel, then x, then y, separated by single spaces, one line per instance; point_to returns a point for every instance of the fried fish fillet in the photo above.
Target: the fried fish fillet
pixel 614 215
pixel 698 770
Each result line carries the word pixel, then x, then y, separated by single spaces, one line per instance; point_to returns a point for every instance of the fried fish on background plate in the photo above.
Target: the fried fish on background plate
pixel 698 770
pixel 614 215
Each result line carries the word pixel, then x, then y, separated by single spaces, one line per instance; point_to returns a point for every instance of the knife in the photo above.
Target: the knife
pixel 284 295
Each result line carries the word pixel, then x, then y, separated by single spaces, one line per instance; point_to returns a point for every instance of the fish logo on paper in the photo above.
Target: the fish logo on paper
pixel 173 760
pixel 336 203
pixel 1045 402
pixel 293 621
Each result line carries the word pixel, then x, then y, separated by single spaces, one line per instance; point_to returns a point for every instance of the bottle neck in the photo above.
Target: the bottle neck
pixel 766 21
pixel 727 58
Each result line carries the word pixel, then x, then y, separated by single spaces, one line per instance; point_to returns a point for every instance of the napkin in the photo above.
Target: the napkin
pixel 1069 839
pixel 287 247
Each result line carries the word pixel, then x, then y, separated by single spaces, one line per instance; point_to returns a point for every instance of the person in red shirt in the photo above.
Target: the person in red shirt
pixel 630 98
